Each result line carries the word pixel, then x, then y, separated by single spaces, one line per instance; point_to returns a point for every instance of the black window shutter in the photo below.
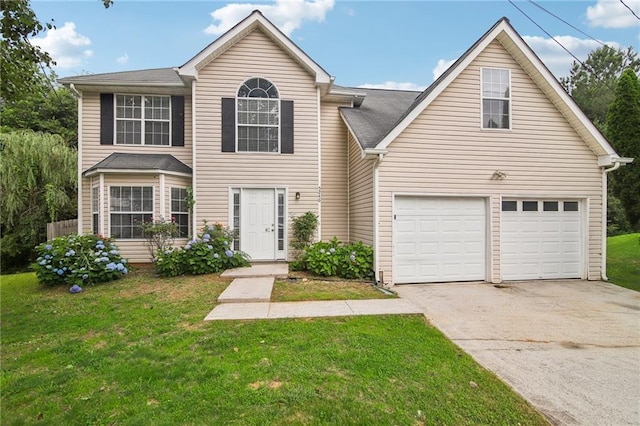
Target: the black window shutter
pixel 177 120
pixel 106 119
pixel 286 127
pixel 228 124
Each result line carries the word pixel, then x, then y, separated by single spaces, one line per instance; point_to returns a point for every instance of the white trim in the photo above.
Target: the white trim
pixel 153 206
pixel 482 98
pixel 79 204
pixel 376 219
pixel 136 172
pixel 101 218
pixel 194 158
pixel 238 124
pixel 319 135
pixel 163 194
pixel 254 20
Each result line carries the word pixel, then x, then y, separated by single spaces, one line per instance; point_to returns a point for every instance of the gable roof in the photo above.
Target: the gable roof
pixel 255 20
pixel 380 111
pixel 119 162
pixel 530 62
pixel 166 77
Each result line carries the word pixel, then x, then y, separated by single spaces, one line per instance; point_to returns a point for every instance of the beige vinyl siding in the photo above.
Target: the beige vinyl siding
pixel 93 152
pixel 256 55
pixel 334 173
pixel 444 151
pixel 360 195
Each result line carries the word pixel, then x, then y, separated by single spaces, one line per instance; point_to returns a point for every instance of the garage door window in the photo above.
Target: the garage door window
pixel 529 206
pixel 534 206
pixel 550 206
pixel 509 206
pixel 570 206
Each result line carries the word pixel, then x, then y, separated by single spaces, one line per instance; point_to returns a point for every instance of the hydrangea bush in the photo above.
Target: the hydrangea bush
pixel 336 259
pixel 209 252
pixel 79 259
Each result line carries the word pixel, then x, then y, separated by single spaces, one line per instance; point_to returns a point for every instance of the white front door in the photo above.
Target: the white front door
pixel 258 225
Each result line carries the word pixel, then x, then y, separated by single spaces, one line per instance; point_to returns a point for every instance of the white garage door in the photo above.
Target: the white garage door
pixel 439 239
pixel 541 239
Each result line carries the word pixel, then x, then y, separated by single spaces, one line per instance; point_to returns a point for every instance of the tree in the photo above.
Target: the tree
pixel 592 83
pixel 623 131
pixel 24 65
pixel 37 175
pixel 51 110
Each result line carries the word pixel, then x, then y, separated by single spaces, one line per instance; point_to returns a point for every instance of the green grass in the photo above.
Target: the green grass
pixel 623 260
pixel 316 289
pixel 137 352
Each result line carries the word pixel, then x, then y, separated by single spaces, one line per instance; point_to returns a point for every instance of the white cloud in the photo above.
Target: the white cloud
pixel 441 67
pixel 555 58
pixel 287 15
pixel 123 59
pixel 613 14
pixel 393 85
pixel 65 45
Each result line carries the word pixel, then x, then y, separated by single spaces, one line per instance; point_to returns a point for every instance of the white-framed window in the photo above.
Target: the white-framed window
pixel 496 98
pixel 236 218
pixel 180 211
pixel 258 117
pixel 95 209
pixel 129 207
pixel 143 120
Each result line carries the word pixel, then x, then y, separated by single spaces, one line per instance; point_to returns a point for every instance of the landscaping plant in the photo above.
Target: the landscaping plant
pixel 336 259
pixel 209 252
pixel 159 235
pixel 79 259
pixel 303 228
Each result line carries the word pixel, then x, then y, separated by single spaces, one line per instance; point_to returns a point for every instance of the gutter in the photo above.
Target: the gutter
pixel 614 163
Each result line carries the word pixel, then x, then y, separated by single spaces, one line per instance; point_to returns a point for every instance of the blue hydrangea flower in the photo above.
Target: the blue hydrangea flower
pixel 124 271
pixel 216 255
pixel 60 272
pixel 75 289
pixel 226 243
pixel 123 261
pixel 48 266
pixel 98 260
pixel 105 259
pixel 352 257
pixel 209 246
pixel 229 253
pixel 48 247
pixel 110 266
pixel 120 267
pixel 85 276
pixel 187 247
pixel 206 237
pixel 114 252
pixel 46 256
pixel 99 242
pixel 332 250
pixel 42 262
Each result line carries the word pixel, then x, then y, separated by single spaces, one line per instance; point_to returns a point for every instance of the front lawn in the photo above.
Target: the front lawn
pixel 623 260
pixel 137 351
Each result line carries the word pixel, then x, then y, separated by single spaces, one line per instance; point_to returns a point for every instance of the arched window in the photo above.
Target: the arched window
pixel 258 116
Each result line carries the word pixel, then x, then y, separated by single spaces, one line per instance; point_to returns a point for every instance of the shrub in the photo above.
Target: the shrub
pixel 159 235
pixel 210 252
pixel 303 228
pixel 335 259
pixel 79 259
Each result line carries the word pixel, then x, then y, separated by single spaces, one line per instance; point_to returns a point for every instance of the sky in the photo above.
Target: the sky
pixel 386 44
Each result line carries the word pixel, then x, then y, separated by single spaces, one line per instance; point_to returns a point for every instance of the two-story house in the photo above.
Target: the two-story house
pixel 492 173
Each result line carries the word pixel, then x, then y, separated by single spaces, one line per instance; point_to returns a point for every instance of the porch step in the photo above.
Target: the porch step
pixel 259 270
pixel 248 289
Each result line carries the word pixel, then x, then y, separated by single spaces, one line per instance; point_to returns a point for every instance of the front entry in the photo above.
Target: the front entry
pixel 262 223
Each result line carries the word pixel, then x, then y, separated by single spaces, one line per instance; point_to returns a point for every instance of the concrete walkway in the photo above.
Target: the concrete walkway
pixel 249 294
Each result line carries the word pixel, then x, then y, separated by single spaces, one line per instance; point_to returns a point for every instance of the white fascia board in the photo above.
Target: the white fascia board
pixel 134 172
pixel 375 152
pixel 81 84
pixel 549 79
pixel 252 21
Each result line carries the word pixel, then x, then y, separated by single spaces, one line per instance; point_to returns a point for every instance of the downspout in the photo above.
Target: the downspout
pixel 603 260
pixel 194 222
pixel 319 118
pixel 376 220
pixel 79 95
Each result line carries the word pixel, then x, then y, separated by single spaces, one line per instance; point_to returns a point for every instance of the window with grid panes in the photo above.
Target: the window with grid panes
pixel 258 113
pixel 143 120
pixel 129 207
pixel 180 211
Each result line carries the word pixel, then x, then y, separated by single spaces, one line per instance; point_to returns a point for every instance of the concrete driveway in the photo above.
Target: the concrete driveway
pixel 570 347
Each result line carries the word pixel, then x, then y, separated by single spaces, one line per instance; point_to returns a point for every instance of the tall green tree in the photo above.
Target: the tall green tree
pixel 51 110
pixel 623 131
pixel 38 180
pixel 592 83
pixel 24 65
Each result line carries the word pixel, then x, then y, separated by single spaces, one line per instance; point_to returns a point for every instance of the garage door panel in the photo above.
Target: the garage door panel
pixel 450 239
pixel 541 244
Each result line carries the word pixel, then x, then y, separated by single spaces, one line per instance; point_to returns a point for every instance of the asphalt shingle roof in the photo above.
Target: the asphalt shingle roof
pixel 151 162
pixel 161 76
pixel 379 112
